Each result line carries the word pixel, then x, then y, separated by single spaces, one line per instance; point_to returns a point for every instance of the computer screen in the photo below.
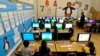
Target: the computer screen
pixel 47 20
pixel 68 26
pixel 64 36
pixel 61 20
pixel 84 37
pixel 35 24
pixel 28 36
pixel 53 20
pixel 90 21
pixel 59 26
pixel 47 25
pixel 46 36
pixel 53 17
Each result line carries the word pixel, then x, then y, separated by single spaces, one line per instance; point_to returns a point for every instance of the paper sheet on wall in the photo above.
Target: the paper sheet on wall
pixel 20 20
pixel 12 23
pixel 10 14
pixel 15 14
pixel 4 16
pixel 17 21
pixel 16 38
pixel 16 30
pixel 7 26
pixel 1 29
pixel 19 6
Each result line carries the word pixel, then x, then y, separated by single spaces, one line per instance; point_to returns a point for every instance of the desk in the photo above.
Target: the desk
pixel 64 46
pixel 34 46
pixel 43 30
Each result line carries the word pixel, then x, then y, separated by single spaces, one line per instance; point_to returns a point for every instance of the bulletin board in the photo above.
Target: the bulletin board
pixel 13 21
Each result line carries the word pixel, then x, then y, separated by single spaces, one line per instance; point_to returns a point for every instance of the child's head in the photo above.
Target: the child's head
pixel 35 28
pixel 69 4
pixel 26 43
pixel 44 43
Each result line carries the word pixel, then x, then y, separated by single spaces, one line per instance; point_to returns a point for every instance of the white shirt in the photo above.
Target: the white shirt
pixel 26 52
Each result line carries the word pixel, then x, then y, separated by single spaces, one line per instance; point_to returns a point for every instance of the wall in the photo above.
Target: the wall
pixel 97 5
pixel 50 11
pixel 15 18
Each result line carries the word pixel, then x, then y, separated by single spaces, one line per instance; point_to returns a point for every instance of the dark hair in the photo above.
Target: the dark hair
pixel 35 28
pixel 91 46
pixel 5 38
pixel 68 2
pixel 43 44
pixel 47 30
pixel 26 43
pixel 70 29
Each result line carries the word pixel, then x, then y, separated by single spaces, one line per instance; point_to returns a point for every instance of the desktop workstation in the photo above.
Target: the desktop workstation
pixel 57 46
pixel 62 44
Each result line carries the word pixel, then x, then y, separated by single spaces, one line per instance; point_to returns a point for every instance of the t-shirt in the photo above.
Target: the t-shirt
pixel 26 52
pixel 44 51
pixel 86 49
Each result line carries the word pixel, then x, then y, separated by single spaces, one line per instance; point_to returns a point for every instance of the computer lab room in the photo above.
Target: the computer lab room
pixel 49 27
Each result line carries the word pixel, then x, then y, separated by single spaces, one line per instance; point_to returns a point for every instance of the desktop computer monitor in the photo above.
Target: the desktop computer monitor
pixel 61 20
pixel 35 24
pixel 64 36
pixel 68 26
pixel 47 20
pixel 53 20
pixel 47 25
pixel 84 37
pixel 27 36
pixel 90 21
pixel 59 26
pixel 46 36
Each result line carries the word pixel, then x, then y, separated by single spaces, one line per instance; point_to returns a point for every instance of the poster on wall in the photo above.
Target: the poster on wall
pixel 12 23
pixel 15 14
pixel 1 29
pixel 7 26
pixel 20 20
pixel 16 37
pixel 4 16
pixel 6 45
pixel 10 14
pixel 16 30
pixel 17 21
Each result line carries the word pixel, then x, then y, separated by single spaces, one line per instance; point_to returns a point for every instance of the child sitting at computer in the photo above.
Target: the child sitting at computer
pixel 89 49
pixel 26 51
pixel 44 50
